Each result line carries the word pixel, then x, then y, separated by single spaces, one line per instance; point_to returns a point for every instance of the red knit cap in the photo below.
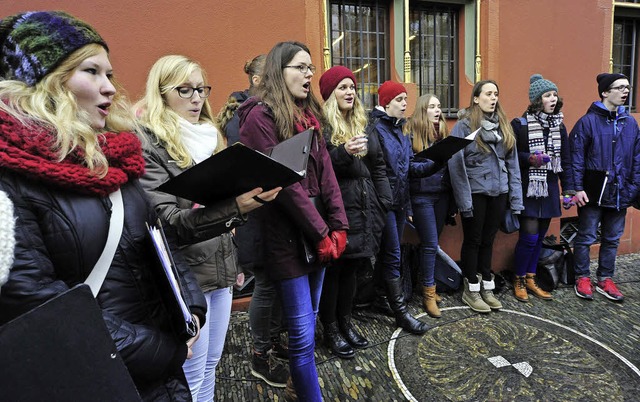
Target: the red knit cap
pixel 389 90
pixel 332 77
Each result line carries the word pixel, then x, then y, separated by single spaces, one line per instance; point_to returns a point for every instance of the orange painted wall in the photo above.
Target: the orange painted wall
pixel 566 41
pixel 221 34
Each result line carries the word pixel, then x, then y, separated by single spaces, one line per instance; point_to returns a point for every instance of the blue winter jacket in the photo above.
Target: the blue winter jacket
pixel 608 141
pixel 398 157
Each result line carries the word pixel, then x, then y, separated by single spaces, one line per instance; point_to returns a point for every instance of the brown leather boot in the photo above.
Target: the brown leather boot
pixel 532 286
pixel 429 301
pixel 438 298
pixel 520 289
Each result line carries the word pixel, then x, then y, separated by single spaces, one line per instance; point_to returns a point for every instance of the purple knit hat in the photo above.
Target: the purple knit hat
pixel 34 43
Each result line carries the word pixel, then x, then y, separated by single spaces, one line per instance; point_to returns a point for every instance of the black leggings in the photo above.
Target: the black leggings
pixel 338 289
pixel 479 233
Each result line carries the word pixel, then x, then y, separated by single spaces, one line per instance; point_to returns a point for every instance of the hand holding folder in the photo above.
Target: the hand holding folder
pixel 239 169
pixel 170 288
pixel 441 151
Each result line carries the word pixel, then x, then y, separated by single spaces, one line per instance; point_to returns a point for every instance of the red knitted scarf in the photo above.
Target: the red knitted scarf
pixel 27 150
pixel 308 120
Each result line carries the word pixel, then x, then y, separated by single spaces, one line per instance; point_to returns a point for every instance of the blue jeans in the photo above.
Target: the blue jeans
pixel 200 370
pixel 611 228
pixel 429 213
pixel 390 251
pixel 265 313
pixel 300 298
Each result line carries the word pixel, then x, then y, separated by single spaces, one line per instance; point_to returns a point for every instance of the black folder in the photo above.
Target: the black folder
pixel 238 169
pixel 441 151
pixel 594 183
pixel 62 351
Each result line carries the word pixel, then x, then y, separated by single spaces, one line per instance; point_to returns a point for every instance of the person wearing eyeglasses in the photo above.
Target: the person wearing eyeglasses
pixel 308 212
pixel 182 133
pixel 605 156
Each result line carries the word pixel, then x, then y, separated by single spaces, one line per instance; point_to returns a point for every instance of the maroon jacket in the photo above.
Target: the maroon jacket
pixel 292 214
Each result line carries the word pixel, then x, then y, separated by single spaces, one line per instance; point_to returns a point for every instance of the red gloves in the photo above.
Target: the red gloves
pixel 339 238
pixel 538 158
pixel 326 249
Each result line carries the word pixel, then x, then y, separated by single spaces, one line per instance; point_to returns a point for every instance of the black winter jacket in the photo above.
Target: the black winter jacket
pixel 366 195
pixel 60 235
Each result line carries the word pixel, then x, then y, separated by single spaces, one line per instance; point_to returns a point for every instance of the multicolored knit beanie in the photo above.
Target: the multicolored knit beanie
pixel 34 43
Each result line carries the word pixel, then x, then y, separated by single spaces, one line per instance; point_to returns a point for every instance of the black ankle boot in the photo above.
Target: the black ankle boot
pixel 336 343
pixel 403 319
pixel 350 334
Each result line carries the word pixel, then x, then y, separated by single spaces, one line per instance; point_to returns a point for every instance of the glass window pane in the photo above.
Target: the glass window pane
pixel 434 51
pixel 360 41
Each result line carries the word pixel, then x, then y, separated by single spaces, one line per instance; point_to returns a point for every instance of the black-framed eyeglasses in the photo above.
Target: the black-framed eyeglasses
pixel 622 87
pixel 303 68
pixel 187 92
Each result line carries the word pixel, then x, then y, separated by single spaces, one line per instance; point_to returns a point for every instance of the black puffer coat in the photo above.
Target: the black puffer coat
pixel 365 192
pixel 59 236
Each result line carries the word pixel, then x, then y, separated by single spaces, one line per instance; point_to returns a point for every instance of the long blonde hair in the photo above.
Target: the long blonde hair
pixel 476 115
pixel 344 128
pixel 422 128
pixel 51 105
pixel 165 75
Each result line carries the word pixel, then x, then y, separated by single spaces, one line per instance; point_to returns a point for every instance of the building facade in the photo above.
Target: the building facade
pixel 439 47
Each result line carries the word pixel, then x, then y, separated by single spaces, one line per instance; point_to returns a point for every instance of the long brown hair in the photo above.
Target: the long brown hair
pixel 274 92
pixel 422 128
pixel 476 115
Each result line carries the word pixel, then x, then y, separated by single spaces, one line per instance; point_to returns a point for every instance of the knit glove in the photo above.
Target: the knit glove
pixel 568 201
pixel 538 158
pixel 339 238
pixel 326 249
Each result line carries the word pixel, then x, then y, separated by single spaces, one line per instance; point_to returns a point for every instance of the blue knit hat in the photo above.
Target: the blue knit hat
pixel 34 43
pixel 539 86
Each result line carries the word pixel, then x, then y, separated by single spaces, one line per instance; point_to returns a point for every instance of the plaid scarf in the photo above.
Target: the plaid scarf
pixel 536 124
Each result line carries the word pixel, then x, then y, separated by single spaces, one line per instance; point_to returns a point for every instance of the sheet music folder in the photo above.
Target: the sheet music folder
pixel 441 151
pixel 62 351
pixel 594 183
pixel 238 169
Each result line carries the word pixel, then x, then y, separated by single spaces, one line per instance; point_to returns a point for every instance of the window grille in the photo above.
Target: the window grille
pixel 359 38
pixel 433 38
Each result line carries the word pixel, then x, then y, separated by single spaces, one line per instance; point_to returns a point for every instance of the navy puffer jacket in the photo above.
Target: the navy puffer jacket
pixel 607 141
pixel 398 156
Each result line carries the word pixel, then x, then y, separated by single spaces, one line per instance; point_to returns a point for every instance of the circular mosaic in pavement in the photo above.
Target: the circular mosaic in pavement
pixel 508 356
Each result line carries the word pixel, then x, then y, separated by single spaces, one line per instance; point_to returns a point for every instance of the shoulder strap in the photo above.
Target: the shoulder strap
pixel 99 272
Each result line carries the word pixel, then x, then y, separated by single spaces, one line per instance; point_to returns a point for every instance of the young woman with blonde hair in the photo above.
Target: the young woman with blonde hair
pixel 182 133
pixel 360 170
pixel 69 153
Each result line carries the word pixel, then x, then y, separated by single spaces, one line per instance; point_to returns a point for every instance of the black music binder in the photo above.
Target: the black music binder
pixel 62 351
pixel 594 183
pixel 238 169
pixel 441 151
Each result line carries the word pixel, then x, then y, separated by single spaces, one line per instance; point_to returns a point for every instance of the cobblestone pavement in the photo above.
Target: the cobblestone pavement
pixel 567 349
